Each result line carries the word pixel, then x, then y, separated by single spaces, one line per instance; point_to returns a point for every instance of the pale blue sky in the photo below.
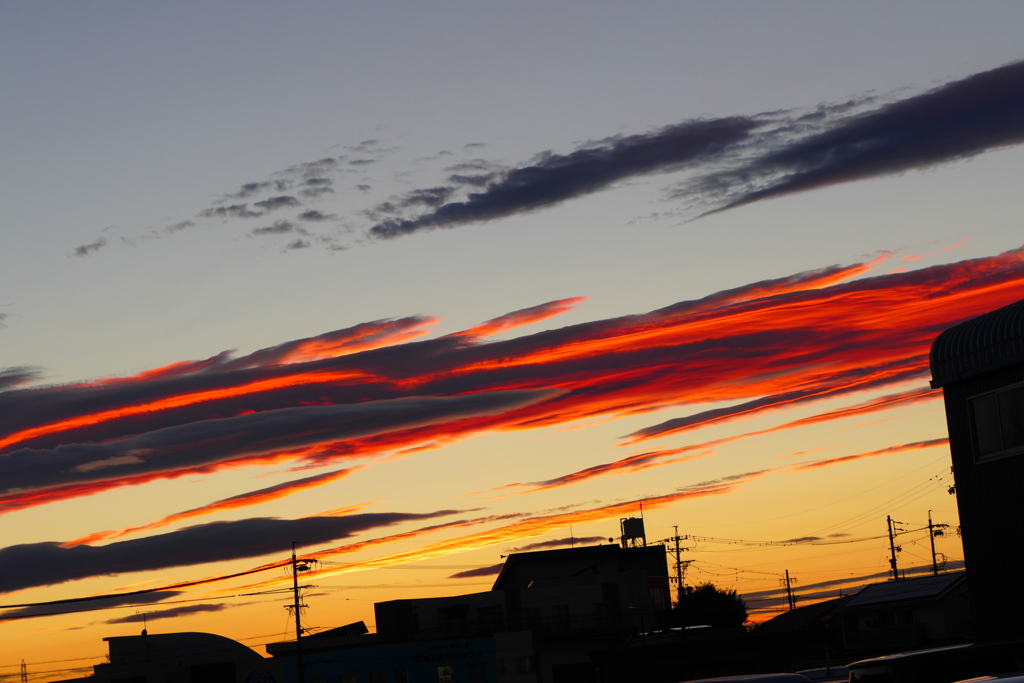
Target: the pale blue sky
pixel 135 116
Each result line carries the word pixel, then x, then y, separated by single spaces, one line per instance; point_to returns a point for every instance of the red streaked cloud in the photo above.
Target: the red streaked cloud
pixel 253 438
pixel 176 402
pixel 760 347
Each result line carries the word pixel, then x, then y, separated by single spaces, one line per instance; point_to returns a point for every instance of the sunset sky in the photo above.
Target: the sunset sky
pixel 417 285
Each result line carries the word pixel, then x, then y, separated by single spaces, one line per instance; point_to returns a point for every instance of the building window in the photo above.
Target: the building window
pixel 475 671
pixel 499 666
pixel 401 676
pixel 446 673
pixel 998 421
pixel 524 665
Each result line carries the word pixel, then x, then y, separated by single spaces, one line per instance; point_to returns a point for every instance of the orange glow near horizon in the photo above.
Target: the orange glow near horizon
pixel 527 528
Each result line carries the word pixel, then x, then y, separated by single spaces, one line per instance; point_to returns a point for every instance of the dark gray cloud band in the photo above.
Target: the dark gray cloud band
pixel 48 609
pixel 555 178
pixel 12 377
pixel 742 159
pixel 956 121
pixel 41 564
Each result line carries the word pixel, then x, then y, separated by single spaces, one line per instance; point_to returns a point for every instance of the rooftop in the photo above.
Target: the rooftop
pixel 978 345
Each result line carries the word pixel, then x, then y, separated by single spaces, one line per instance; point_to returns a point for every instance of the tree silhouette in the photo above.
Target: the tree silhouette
pixel 707 604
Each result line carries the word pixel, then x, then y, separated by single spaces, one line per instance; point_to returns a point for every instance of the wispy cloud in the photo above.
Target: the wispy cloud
pixel 728 162
pixel 169 613
pixel 958 120
pixel 902 448
pixel 234 502
pixel 723 415
pixel 86 249
pixel 554 178
pixel 492 570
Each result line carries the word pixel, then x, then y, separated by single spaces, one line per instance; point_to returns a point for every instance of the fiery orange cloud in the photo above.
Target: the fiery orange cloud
pixel 887 402
pixel 902 448
pixel 362 338
pixel 243 500
pixel 522 317
pixel 347 510
pixel 179 368
pixel 766 345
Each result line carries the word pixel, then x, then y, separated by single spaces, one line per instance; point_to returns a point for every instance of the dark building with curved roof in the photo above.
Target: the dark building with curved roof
pixel 979 364
pixel 181 658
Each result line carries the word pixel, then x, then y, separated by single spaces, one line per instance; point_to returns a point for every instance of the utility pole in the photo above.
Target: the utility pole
pixel 933 531
pixel 892 549
pixel 679 563
pixel 789 592
pixel 296 568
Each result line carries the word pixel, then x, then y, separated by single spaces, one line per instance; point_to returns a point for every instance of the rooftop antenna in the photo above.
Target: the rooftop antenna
pixel 572 539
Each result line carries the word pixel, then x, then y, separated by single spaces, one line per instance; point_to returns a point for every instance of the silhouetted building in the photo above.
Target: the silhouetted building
pixel 180 658
pixel 906 614
pixel 568 602
pixel 349 655
pixel 816 616
pixel 979 364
